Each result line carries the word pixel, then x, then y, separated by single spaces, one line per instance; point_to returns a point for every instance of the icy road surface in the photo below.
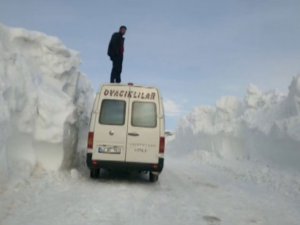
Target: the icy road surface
pixel 187 192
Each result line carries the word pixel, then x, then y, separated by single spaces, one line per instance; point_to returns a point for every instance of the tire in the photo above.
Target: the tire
pixel 94 173
pixel 153 177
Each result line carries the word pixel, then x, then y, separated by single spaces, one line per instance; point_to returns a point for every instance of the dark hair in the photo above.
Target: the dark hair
pixel 123 26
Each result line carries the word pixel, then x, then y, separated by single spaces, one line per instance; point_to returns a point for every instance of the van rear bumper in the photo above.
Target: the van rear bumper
pixel 116 165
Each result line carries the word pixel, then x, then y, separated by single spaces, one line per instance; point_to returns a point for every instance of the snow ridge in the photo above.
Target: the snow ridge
pixel 264 127
pixel 44 101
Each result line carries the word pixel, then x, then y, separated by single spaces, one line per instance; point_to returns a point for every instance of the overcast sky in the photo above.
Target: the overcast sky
pixel 195 51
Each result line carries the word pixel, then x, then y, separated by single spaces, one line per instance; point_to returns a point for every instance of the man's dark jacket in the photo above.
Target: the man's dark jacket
pixel 116 46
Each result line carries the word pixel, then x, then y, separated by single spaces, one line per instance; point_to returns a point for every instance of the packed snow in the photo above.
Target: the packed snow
pixel 45 101
pixel 235 163
pixel 263 127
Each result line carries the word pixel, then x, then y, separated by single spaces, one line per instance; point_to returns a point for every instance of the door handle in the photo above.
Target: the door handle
pixel 133 134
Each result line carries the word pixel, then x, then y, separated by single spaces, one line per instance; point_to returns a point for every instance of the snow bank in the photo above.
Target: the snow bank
pixel 45 103
pixel 264 127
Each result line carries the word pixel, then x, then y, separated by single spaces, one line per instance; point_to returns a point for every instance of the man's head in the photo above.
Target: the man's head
pixel 123 29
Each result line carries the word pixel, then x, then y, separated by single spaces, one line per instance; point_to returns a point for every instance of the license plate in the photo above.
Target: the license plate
pixel 110 149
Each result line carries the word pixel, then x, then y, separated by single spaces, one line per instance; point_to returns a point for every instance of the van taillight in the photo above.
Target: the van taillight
pixel 90 140
pixel 162 145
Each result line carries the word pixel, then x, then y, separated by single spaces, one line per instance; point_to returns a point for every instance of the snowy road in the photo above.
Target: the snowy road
pixel 187 193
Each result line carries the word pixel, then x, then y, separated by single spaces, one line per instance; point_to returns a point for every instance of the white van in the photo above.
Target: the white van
pixel 127 130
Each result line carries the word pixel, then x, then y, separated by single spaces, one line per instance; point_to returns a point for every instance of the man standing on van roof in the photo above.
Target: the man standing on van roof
pixel 115 52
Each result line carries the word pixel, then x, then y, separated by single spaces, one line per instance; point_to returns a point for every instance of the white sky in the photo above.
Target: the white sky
pixel 195 51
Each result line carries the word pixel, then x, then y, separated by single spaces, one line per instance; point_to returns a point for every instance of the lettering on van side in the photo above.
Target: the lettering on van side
pixel 129 94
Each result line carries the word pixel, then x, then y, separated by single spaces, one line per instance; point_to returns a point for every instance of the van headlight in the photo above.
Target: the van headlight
pixel 110 149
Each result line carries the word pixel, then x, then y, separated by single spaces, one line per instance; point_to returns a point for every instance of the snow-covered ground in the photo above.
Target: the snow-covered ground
pixel 235 163
pixel 188 192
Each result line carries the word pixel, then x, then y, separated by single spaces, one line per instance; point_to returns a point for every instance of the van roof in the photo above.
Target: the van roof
pixel 125 85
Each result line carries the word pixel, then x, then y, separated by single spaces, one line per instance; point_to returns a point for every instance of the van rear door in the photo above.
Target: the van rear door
pixel 111 127
pixel 143 126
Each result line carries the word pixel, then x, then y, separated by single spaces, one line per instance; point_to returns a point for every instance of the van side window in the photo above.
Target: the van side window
pixel 112 112
pixel 143 114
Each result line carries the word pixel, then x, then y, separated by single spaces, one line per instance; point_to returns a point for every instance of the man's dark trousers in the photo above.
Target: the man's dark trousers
pixel 115 76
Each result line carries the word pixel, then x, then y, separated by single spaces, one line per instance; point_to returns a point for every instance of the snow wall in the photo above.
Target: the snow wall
pixel 263 127
pixel 45 104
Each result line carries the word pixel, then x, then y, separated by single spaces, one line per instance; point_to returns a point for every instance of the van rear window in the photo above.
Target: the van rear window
pixel 143 114
pixel 112 112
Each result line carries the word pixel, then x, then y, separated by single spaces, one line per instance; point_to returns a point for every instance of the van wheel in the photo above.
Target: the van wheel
pixel 94 173
pixel 153 177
